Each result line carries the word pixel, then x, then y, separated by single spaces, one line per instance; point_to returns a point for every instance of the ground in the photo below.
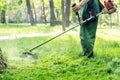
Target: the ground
pixel 60 59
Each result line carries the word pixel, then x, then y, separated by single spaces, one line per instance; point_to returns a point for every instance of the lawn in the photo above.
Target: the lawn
pixel 60 59
pixel 8 29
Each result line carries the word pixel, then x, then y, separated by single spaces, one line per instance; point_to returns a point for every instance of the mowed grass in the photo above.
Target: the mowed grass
pixel 61 59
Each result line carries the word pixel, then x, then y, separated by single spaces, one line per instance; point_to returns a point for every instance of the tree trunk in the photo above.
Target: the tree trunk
pixel 44 12
pixel 30 12
pixel 110 21
pixel 3 64
pixel 63 15
pixel 3 19
pixel 34 12
pixel 117 17
pixel 52 13
pixel 67 13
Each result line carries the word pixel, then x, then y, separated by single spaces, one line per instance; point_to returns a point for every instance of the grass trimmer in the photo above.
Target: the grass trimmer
pixel 29 52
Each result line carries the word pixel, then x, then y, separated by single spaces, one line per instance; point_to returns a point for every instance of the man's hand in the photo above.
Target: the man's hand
pixel 76 8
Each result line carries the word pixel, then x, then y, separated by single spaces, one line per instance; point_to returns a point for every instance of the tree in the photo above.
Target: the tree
pixel 3 19
pixel 30 12
pixel 3 10
pixel 67 13
pixel 43 10
pixel 63 15
pixel 65 7
pixel 52 14
pixel 34 12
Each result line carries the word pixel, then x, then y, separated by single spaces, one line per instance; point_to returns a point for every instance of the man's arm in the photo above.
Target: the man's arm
pixel 78 6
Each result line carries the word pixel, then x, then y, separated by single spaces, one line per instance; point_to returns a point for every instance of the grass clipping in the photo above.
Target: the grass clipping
pixel 3 64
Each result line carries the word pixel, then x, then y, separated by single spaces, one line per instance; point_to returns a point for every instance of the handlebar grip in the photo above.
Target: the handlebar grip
pixel 73 6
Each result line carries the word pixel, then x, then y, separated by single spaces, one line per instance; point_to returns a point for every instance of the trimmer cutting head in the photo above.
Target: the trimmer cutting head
pixel 26 54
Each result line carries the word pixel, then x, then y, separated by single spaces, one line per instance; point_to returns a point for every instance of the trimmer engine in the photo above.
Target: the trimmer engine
pixel 110 6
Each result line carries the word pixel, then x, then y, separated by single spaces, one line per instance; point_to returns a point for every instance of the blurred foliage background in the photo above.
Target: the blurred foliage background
pixel 51 12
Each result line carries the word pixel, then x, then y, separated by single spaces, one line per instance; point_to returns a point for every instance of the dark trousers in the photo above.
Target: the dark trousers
pixel 87 36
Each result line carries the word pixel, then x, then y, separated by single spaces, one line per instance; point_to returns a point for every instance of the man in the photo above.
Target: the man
pixel 88 8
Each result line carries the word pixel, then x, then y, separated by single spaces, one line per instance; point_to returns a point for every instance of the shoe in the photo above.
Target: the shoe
pixel 89 56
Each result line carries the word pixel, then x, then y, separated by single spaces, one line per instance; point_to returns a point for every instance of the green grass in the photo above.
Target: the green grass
pixel 9 29
pixel 61 59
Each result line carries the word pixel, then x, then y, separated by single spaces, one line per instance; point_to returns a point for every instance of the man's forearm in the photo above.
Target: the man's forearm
pixel 83 2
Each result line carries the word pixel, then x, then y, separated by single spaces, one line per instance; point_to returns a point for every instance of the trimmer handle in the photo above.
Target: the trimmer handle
pixel 77 14
pixel 73 6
